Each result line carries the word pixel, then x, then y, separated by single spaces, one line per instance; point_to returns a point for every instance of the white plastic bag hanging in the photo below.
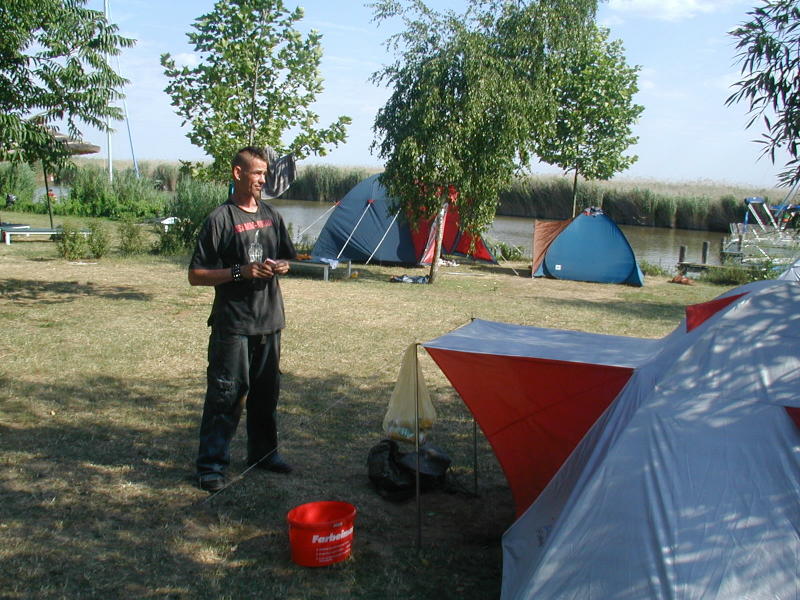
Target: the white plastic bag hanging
pixel 409 390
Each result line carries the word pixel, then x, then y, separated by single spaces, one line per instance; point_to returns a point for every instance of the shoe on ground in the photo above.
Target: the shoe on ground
pixel 275 463
pixel 212 483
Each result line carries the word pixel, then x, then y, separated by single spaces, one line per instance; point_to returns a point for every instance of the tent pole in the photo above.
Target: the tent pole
pixel 474 449
pixel 383 238
pixel 300 235
pixel 475 455
pixel 350 237
pixel 416 446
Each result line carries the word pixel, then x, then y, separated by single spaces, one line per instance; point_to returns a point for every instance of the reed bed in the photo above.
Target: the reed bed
pixel 700 205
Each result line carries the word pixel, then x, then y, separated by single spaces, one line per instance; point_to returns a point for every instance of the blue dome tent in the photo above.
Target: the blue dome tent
pixel 590 248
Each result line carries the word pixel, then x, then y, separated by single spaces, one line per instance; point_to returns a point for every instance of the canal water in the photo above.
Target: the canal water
pixel 656 246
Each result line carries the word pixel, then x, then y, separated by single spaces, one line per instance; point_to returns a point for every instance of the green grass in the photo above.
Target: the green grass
pixel 101 388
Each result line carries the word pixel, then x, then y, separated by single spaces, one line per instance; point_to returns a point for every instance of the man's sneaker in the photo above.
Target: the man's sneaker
pixel 273 462
pixel 212 483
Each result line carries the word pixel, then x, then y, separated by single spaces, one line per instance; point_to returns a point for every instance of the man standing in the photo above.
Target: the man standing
pixel 242 248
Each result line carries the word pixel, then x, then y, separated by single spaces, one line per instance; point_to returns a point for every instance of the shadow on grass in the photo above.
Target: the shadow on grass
pixel 57 292
pixel 99 498
pixel 656 311
pixel 500 269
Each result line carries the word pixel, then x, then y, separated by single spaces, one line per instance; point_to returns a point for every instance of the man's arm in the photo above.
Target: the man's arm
pixel 265 270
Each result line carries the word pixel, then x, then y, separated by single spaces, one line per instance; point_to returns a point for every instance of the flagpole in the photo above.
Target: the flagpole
pixel 108 117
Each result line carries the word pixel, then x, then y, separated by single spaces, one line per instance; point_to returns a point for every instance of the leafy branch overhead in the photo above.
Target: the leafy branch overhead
pixel 593 123
pixel 257 78
pixel 769 54
pixel 53 68
pixel 471 93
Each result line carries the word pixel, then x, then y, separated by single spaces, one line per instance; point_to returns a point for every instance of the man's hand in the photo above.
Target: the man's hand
pixel 257 270
pixel 265 270
pixel 279 267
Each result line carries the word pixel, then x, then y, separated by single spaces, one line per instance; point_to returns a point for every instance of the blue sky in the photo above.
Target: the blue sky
pixel 687 60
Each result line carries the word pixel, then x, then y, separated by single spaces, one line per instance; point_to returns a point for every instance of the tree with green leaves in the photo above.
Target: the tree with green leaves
pixel 593 122
pixel 257 78
pixel 53 69
pixel 470 94
pixel 769 52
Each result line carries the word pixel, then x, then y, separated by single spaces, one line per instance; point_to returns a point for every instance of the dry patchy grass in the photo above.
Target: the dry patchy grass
pixel 101 386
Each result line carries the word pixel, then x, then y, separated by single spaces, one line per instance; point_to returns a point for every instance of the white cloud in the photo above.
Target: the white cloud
pixel 330 26
pixel 668 10
pixel 610 21
pixel 187 59
pixel 646 79
pixel 723 82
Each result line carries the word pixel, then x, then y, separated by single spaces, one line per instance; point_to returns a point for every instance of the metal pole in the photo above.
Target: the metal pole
pixel 128 126
pixel 474 449
pixel 383 238
pixel 107 13
pixel 350 237
pixel 416 449
pixel 475 455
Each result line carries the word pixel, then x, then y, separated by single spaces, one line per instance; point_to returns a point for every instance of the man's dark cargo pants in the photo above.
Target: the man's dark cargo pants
pixel 243 372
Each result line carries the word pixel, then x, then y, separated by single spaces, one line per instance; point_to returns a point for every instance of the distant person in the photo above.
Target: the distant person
pixel 242 248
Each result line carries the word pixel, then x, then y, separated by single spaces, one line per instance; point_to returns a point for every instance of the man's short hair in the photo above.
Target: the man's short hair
pixel 245 156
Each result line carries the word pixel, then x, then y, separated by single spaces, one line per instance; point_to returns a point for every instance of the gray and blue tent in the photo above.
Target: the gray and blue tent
pixel 364 228
pixel 590 247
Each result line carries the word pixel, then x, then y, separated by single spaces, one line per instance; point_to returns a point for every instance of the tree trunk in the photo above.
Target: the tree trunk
pixel 574 193
pixel 47 194
pixel 437 249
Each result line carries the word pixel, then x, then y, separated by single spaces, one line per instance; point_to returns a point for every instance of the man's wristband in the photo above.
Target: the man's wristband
pixel 236 272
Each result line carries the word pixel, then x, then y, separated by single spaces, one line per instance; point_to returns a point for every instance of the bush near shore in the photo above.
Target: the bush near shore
pixel 683 205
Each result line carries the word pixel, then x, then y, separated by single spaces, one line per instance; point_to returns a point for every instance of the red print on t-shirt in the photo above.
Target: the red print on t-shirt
pixel 240 227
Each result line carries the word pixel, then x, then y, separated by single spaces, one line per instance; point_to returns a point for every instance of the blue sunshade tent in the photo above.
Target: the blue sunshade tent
pixel 590 248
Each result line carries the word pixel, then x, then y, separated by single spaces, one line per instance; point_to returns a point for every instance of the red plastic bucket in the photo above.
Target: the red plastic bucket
pixel 321 533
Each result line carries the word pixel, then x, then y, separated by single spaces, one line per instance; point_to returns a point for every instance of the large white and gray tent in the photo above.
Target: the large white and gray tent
pixel 687 486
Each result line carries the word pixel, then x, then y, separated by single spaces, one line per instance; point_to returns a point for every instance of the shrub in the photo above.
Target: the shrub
pixel 71 243
pixel 739 274
pixel 131 238
pixel 90 195
pixel 136 196
pixel 652 270
pixel 192 202
pixel 165 177
pixel 19 180
pixel 98 241
pixel 67 174
pixel 504 251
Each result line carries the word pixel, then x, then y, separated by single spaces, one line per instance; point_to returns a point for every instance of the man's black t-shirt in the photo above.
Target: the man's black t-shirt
pixel 251 306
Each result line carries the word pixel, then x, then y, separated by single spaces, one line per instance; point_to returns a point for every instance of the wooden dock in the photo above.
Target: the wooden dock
pixel 688 268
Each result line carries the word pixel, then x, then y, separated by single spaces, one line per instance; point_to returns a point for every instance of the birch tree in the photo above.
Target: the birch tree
pixel 257 79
